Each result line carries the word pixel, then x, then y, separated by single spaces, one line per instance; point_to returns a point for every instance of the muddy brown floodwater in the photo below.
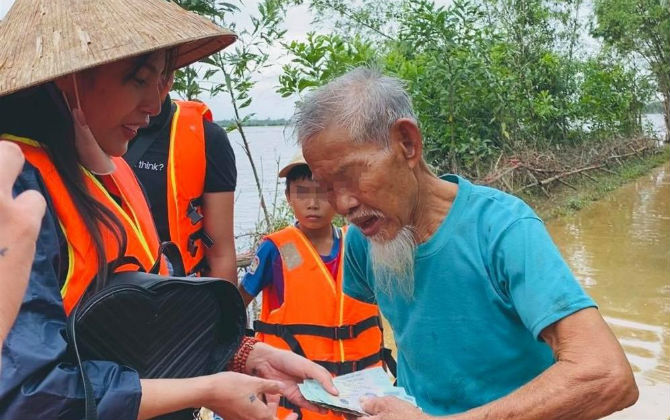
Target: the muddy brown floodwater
pixel 619 249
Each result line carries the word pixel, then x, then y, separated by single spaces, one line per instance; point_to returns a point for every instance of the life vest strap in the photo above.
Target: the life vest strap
pixel 389 362
pixel 349 366
pixel 343 332
pixel 283 333
pixel 201 267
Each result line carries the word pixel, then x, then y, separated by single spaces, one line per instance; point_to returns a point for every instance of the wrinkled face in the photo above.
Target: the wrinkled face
pixel 118 98
pixel 372 186
pixel 309 202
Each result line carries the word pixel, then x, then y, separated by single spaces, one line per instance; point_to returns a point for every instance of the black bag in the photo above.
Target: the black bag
pixel 163 327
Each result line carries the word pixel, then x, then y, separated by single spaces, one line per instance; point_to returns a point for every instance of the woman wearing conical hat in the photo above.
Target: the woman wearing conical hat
pixel 78 78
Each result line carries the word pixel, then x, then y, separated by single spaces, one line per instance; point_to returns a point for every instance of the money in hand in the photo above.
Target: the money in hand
pixel 373 382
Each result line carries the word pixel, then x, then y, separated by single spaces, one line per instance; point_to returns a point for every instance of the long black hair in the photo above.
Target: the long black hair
pixel 41 114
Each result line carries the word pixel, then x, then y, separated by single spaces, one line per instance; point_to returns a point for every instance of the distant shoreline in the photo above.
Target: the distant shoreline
pixel 267 122
pixel 282 122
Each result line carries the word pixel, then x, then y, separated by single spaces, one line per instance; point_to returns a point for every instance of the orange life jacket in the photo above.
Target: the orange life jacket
pixel 316 319
pixel 142 246
pixel 186 170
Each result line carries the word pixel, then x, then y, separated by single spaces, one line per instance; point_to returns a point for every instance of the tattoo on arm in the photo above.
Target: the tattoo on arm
pixel 3 250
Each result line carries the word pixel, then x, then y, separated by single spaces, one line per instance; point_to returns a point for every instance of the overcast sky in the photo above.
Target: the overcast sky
pixel 266 102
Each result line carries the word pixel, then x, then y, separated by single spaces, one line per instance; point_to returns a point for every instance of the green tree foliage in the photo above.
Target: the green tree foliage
pixel 322 57
pixel 618 95
pixel 487 77
pixel 639 28
pixel 188 80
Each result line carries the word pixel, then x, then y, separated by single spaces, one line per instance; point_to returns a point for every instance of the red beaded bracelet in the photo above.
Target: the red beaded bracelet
pixel 239 362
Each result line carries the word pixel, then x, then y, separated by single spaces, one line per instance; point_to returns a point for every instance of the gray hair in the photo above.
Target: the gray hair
pixel 363 101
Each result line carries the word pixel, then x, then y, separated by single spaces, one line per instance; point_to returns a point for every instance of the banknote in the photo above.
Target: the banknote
pixel 373 382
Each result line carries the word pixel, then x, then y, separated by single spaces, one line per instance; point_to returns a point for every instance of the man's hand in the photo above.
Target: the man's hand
pixel 390 408
pixel 20 220
pixel 290 369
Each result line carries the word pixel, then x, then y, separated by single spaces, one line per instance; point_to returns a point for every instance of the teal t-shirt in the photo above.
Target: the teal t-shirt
pixel 487 282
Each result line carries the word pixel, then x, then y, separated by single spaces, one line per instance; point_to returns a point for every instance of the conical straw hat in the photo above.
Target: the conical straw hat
pixel 45 39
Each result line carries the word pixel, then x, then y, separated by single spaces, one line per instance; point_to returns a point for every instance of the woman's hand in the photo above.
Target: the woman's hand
pixel 290 369
pixel 238 396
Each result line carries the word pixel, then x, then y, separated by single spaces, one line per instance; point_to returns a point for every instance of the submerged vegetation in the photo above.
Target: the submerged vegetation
pixel 581 190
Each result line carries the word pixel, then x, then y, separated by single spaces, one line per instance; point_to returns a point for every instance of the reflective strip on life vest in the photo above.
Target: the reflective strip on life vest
pixel 339 333
pixel 134 215
pixel 186 172
pixel 312 313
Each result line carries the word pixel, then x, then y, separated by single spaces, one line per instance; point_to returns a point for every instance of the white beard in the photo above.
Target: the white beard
pixel 393 263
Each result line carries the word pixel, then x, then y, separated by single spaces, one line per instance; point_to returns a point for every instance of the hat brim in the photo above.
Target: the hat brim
pixel 286 169
pixel 69 37
pixel 190 52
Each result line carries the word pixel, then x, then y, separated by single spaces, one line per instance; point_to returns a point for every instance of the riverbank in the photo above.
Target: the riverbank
pixel 565 200
pixel 560 200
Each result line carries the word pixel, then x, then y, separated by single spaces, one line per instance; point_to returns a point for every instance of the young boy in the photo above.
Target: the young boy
pixel 299 270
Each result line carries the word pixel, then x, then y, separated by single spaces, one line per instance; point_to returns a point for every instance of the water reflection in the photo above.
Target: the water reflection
pixel 619 248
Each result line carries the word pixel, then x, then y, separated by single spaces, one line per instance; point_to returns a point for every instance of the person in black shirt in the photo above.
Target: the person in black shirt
pixel 219 187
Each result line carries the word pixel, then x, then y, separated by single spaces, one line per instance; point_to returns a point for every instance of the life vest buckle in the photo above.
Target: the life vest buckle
pixel 193 214
pixel 344 332
pixel 199 235
pixel 192 247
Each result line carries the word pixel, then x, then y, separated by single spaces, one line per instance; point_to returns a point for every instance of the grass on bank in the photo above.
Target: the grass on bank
pixel 565 200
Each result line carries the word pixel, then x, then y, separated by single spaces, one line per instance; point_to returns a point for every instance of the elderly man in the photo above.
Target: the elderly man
pixel 489 321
